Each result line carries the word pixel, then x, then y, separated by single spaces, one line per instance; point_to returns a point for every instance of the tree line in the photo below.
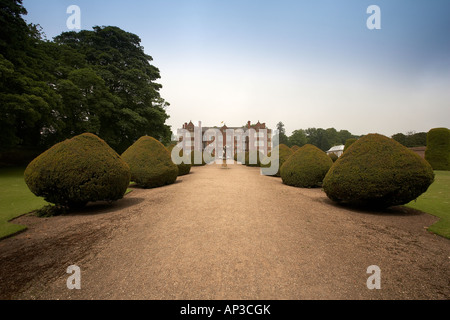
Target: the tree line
pixel 325 139
pixel 98 81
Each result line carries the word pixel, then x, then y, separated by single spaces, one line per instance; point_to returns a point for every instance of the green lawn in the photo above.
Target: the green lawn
pixel 436 201
pixel 15 200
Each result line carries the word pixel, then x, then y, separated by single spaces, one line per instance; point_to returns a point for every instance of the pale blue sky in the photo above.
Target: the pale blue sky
pixel 306 63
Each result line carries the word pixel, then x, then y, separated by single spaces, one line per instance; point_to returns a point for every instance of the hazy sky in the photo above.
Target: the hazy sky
pixel 306 63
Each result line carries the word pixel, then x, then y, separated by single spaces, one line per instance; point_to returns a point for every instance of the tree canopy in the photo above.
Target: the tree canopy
pixel 282 137
pixel 411 139
pixel 98 81
pixel 324 139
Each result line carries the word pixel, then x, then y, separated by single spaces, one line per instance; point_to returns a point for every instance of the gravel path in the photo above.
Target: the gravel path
pixel 226 234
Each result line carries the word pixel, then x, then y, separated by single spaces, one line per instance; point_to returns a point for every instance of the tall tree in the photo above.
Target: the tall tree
pixel 27 101
pixel 97 81
pixel 118 57
pixel 298 138
pixel 344 135
pixel 282 137
pixel 318 137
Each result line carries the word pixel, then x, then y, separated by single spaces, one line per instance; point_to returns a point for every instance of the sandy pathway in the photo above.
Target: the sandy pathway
pixel 227 234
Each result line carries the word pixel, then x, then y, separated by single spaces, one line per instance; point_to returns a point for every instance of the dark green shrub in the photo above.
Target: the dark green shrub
pixel 284 153
pixel 183 168
pixel 50 211
pixel 77 171
pixel 306 168
pixel 438 149
pixel 19 156
pixel 333 157
pixel 377 172
pixel 150 163
pixel 349 142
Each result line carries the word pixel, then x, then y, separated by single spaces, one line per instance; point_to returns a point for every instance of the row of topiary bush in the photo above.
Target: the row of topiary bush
pixel 85 169
pixel 374 171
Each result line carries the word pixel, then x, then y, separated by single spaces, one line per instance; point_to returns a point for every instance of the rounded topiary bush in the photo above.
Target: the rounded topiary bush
pixel 377 172
pixel 150 163
pixel 183 168
pixel 333 157
pixel 295 148
pixel 349 142
pixel 306 168
pixel 77 171
pixel 284 153
pixel 438 149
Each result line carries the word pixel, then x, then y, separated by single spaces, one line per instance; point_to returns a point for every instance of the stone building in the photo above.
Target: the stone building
pixel 248 137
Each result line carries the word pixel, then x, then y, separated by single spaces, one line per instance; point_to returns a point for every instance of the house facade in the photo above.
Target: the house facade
pixel 245 138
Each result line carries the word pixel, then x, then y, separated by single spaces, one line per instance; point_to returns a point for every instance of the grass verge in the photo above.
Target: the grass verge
pixel 15 200
pixel 436 201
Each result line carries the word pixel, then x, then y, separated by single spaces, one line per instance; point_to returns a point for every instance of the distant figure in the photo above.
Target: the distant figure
pixel 224 157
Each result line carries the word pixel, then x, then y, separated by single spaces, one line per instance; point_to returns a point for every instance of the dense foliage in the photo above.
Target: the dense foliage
pixel 306 168
pixel 98 81
pixel 77 171
pixel 295 148
pixel 377 172
pixel 333 157
pixel 150 163
pixel 323 139
pixel 348 143
pixel 438 149
pixel 411 139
